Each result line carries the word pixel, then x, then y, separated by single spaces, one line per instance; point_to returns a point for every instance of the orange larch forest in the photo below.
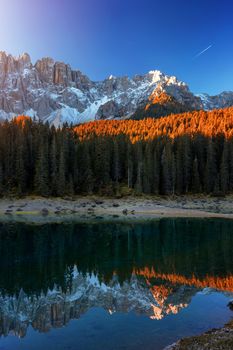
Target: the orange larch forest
pixel 209 124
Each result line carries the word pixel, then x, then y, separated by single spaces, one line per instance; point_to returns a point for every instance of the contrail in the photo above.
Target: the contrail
pixel 200 53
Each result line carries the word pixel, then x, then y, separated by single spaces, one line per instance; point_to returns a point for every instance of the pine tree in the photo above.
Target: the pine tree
pixel 148 169
pixel 167 170
pixel 54 167
pixel 224 169
pixel 70 186
pixel 61 183
pixel 180 185
pixel 230 165
pixel 211 168
pixel 139 174
pixel 129 165
pixel 173 173
pixel 116 165
pixel 156 170
pixel 102 162
pixel 196 186
pixel 216 188
pixel 86 177
pixel 187 163
pixel 21 175
pixel 41 183
pixel 1 180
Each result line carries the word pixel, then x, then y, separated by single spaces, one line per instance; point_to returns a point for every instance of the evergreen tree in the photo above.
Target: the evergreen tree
pixel 187 163
pixel 1 180
pixel 196 185
pixel 139 173
pixel 224 169
pixel 179 167
pixel 41 182
pixel 148 169
pixel 129 165
pixel 165 173
pixel 54 167
pixel 216 188
pixel 20 168
pixel 156 170
pixel 210 169
pixel 230 145
pixel 61 183
pixel 70 186
pixel 101 162
pixel 116 164
pixel 86 179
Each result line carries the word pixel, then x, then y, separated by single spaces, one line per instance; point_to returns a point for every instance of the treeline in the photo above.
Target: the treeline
pixel 211 123
pixel 38 159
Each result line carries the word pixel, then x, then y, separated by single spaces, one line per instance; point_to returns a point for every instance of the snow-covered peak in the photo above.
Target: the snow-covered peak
pixel 156 75
pixel 174 81
pixel 111 77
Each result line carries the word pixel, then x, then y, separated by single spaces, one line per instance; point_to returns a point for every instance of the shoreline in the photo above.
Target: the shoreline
pixel 36 209
pixel 214 339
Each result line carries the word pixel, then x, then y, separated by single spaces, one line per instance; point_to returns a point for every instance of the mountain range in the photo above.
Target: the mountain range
pixel 53 92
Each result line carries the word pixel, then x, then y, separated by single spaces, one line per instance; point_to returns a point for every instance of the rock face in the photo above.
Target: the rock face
pixel 56 307
pixel 54 92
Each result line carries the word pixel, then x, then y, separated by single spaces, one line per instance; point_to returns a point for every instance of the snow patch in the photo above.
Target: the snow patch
pixel 63 115
pixel 91 111
pixel 53 96
pixel 77 92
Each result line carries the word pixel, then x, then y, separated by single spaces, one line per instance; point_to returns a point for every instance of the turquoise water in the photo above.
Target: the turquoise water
pixel 115 285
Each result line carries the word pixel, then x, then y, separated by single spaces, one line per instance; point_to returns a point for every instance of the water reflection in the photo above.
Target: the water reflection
pixel 54 273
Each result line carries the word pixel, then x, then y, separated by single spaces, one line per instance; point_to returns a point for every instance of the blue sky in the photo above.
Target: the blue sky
pixel 126 37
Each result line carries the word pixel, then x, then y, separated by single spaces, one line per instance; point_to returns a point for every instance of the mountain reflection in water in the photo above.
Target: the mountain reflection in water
pixel 53 273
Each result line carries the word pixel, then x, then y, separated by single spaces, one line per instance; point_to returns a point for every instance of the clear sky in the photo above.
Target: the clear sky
pixel 127 37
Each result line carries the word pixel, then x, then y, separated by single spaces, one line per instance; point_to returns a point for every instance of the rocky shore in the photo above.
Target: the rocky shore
pixel 55 209
pixel 215 339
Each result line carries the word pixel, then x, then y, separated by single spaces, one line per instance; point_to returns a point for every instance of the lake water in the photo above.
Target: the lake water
pixel 112 285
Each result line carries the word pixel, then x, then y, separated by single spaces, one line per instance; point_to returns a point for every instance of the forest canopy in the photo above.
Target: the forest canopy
pixel 179 154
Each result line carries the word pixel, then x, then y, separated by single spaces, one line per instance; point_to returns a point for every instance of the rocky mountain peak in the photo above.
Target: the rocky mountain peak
pixel 7 64
pixel 45 67
pixel 25 59
pixel 3 56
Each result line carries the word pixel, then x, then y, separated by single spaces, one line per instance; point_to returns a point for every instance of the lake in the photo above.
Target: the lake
pixel 113 285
